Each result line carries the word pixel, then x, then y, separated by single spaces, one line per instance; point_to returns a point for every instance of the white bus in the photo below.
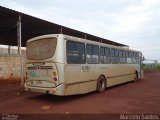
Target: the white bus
pixel 65 65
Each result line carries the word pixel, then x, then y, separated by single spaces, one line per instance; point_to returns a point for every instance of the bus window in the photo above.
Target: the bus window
pixel 104 52
pixel 120 56
pixel 92 54
pixel 124 54
pixel 89 49
pixel 37 49
pixel 107 51
pixel 120 53
pixel 133 58
pixel 102 55
pixel 116 53
pixel 113 55
pixel 127 54
pixel 95 50
pixel 75 53
pixel 112 52
pixel 107 54
pixel 116 56
pixel 136 55
pixel 130 55
pixel 71 46
pixel 129 58
pixel 133 55
pixel 95 55
pixel 137 58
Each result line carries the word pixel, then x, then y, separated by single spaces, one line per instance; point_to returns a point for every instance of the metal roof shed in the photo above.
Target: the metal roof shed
pixel 32 27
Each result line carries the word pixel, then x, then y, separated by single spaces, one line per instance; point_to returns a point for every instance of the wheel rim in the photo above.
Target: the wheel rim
pixel 101 85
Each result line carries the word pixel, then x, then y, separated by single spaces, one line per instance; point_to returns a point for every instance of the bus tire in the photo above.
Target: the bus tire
pixel 101 84
pixel 136 76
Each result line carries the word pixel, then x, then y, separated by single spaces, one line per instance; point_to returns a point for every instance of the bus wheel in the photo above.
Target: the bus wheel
pixel 136 76
pixel 101 84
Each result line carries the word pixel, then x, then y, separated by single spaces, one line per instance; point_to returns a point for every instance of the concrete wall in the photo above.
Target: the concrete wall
pixel 10 66
pixel 12 50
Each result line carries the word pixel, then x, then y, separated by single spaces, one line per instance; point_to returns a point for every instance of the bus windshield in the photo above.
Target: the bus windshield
pixel 41 48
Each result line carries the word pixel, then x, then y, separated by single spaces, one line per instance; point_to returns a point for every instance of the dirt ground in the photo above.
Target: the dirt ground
pixel 139 97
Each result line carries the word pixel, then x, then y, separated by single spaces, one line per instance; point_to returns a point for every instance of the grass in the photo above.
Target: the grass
pixel 151 66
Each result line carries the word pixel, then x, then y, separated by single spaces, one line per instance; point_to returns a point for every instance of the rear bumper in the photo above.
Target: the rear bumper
pixel 58 90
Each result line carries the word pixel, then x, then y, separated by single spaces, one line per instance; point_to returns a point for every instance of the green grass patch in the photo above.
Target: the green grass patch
pixel 151 66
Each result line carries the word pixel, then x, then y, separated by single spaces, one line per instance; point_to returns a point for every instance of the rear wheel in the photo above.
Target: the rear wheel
pixel 101 84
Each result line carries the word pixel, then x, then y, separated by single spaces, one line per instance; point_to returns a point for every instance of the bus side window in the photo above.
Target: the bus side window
pixel 134 58
pixel 137 58
pixel 81 52
pixel 75 52
pixel 92 52
pixel 107 54
pixel 120 56
pixel 127 54
pixel 124 54
pixel 112 54
pixel 102 55
pixel 95 55
pixel 130 56
pixel 116 56
pixel 124 57
pixel 88 53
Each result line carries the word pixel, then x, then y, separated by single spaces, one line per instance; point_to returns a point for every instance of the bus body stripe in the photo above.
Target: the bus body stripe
pixel 120 75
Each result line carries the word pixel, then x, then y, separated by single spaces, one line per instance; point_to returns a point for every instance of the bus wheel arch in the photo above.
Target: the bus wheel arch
pixel 101 83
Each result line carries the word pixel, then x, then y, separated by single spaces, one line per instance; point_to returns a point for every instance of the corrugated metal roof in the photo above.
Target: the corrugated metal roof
pixel 32 27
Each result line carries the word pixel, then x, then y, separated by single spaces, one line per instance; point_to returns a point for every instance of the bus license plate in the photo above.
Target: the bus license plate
pixel 39 82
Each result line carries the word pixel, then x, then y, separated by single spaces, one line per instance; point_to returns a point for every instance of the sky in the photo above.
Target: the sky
pixel 132 22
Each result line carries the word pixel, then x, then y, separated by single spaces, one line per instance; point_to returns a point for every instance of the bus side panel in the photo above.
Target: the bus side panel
pixel 87 87
pixel 78 81
pixel 90 74
pixel 118 80
pixel 119 73
pixel 72 77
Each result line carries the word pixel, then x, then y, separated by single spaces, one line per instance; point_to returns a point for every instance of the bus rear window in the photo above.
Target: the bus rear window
pixel 41 49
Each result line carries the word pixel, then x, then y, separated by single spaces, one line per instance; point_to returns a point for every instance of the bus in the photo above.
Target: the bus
pixel 64 65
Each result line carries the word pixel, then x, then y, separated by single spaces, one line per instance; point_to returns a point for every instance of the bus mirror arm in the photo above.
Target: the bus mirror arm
pixel 143 58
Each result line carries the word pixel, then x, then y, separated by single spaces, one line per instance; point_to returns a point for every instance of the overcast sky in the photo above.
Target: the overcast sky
pixel 132 22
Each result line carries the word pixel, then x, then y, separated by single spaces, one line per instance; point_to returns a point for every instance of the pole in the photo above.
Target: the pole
pixel 20 50
pixel 9 49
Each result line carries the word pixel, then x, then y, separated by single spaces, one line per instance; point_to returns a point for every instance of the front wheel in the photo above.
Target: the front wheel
pixel 101 84
pixel 136 76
